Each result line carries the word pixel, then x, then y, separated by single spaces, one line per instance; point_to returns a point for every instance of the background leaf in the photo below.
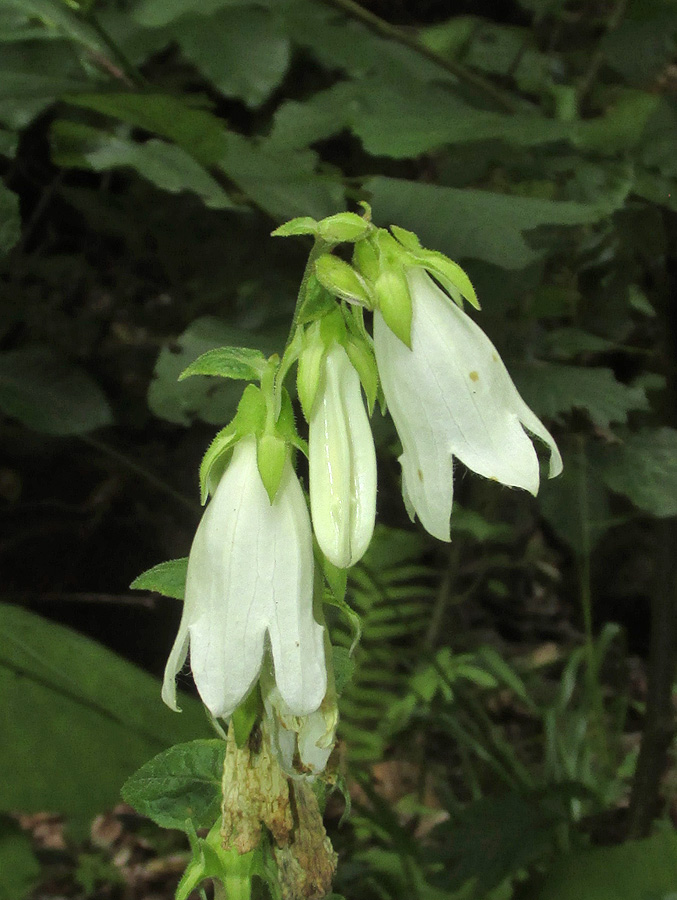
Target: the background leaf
pixel 78 718
pixel 49 394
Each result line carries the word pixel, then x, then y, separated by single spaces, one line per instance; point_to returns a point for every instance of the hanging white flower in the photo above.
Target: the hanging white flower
pixel 450 395
pixel 342 463
pixel 250 583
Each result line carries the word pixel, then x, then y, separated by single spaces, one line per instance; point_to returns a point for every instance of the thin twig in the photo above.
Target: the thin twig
pixel 659 722
pixel 597 60
pixel 30 597
pixel 393 33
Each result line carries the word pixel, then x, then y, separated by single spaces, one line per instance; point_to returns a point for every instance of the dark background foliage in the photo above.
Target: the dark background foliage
pixel 504 684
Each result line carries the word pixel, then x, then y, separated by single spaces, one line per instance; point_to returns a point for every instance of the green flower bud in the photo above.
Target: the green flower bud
pixel 342 227
pixel 394 302
pixel 341 279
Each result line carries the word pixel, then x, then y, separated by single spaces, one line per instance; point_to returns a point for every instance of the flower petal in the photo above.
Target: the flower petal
pixel 418 413
pixel 342 463
pixel 226 582
pixel 296 639
pixel 457 363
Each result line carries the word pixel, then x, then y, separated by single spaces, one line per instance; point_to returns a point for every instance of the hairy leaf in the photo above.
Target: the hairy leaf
pixel 182 783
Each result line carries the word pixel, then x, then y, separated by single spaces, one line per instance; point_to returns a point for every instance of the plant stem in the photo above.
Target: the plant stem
pixel 393 33
pixel 659 722
pixel 593 686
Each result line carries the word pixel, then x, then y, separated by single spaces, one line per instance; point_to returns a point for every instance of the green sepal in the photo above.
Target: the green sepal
pixel 342 227
pixel 286 424
pixel 300 225
pixel 213 462
pixel 394 302
pixel 407 238
pixel 366 260
pixel 167 578
pixel 341 279
pixel 450 275
pixel 243 363
pixel 309 371
pixel 210 860
pixel 249 419
pixel 335 595
pixel 271 455
pixel 364 362
pixel 245 716
pixel 317 303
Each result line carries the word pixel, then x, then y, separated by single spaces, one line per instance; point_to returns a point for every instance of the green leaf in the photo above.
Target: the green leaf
pixel 197 131
pixel 242 363
pixel 10 220
pixel 9 141
pixel 19 867
pixel 496 837
pixel 200 397
pixel 83 718
pixel 167 166
pixel 182 783
pixel 60 16
pixel 167 578
pixel 49 394
pixel 635 870
pixel 576 503
pixel 473 523
pixel 282 183
pixel 553 390
pixel 643 467
pixel 480 224
pixel 154 13
pixel 621 127
pixel 241 49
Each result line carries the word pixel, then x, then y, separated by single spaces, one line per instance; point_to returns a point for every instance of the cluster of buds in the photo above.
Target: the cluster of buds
pixel 252 620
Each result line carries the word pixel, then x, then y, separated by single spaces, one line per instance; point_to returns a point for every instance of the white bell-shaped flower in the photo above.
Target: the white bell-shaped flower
pixel 342 463
pixel 249 583
pixel 450 395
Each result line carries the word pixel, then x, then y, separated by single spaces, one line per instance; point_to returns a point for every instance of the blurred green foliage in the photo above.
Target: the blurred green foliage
pixel 147 149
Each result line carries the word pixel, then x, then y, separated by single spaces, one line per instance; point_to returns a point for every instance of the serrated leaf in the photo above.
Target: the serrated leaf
pixel 242 363
pixel 200 397
pixel 643 467
pixel 241 50
pixel 182 783
pixel 49 394
pixel 83 719
pixel 167 578
pixel 552 390
pixel 165 165
pixel 481 224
